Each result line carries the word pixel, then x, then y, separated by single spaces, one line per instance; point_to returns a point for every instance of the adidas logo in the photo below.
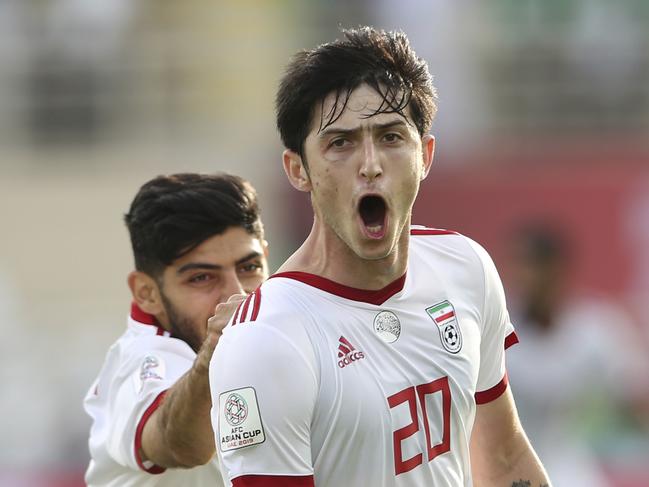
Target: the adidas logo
pixel 347 353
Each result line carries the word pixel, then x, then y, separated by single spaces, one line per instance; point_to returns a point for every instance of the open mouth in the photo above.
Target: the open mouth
pixel 372 210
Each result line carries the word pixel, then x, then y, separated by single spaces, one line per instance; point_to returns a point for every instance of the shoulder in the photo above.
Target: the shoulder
pixel 421 236
pixel 420 230
pixel 268 338
pixel 279 300
pixel 270 324
pixel 253 351
pixel 449 244
pixel 135 344
pixel 146 356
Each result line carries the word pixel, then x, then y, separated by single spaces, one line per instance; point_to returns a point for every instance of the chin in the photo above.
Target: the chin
pixel 374 250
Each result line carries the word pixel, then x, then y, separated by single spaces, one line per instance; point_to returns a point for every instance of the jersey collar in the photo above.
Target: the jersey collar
pixel 376 297
pixel 144 318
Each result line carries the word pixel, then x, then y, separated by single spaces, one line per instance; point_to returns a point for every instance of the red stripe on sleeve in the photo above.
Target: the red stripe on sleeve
pixel 236 314
pixel 495 392
pixel 511 339
pixel 154 469
pixel 246 305
pixel 255 309
pixel 273 481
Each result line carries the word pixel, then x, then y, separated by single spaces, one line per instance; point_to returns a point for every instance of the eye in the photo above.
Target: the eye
pixel 339 143
pixel 198 278
pixel 250 267
pixel 392 137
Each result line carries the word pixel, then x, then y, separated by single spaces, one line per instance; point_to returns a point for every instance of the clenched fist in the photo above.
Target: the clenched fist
pixel 222 314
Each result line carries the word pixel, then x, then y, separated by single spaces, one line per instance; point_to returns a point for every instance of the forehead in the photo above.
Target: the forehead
pixel 224 249
pixel 360 107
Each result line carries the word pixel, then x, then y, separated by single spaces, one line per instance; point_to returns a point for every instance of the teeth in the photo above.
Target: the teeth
pixel 375 228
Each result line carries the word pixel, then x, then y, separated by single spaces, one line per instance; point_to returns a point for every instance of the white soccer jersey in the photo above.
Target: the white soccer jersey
pixel 336 386
pixel 139 368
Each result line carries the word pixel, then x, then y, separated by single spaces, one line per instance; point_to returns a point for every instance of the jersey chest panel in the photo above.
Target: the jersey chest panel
pixel 388 380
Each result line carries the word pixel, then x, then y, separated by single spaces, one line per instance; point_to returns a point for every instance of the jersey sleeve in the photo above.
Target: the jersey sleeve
pixel 136 391
pixel 497 332
pixel 264 385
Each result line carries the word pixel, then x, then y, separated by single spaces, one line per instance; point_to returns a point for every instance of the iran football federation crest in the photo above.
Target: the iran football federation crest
pixel 443 314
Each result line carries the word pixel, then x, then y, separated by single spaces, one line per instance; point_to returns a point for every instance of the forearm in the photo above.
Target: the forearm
pixel 528 471
pixel 513 466
pixel 179 433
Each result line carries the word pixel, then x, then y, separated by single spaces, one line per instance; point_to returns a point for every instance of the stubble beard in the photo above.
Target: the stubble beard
pixel 180 326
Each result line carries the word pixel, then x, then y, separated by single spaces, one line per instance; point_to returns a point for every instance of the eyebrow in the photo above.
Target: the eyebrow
pixel 215 267
pixel 379 126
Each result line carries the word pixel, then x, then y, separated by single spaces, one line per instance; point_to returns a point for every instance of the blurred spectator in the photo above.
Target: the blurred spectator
pixel 576 367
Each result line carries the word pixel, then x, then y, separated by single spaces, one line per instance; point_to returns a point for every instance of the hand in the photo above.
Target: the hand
pixel 222 314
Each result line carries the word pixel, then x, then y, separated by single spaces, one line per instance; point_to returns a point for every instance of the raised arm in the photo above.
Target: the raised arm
pixel 179 433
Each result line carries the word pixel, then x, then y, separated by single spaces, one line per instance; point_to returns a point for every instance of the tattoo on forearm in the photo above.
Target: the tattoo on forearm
pixel 525 483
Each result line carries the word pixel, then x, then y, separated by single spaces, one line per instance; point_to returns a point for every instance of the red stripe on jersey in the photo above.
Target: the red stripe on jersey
pixel 431 231
pixel 377 297
pixel 236 314
pixel 495 392
pixel 154 469
pixel 511 339
pixel 244 310
pixel 273 481
pixel 255 308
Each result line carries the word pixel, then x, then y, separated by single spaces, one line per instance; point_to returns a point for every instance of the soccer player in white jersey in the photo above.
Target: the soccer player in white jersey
pixel 198 244
pixel 376 355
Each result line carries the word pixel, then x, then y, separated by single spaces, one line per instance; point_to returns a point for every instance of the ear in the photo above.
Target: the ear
pixel 295 171
pixel 146 293
pixel 428 151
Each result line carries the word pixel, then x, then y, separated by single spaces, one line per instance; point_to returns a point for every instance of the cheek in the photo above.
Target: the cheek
pixel 409 187
pixel 251 283
pixel 326 186
pixel 412 173
pixel 200 306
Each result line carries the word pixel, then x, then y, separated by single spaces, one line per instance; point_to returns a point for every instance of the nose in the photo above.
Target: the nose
pixel 231 285
pixel 371 167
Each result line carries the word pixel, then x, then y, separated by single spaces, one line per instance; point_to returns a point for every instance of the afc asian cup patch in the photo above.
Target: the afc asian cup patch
pixel 151 368
pixel 443 314
pixel 239 420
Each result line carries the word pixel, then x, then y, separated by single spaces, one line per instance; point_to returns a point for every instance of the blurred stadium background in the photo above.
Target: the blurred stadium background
pixel 543 117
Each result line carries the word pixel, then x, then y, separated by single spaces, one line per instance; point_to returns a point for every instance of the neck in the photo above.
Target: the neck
pixel 324 254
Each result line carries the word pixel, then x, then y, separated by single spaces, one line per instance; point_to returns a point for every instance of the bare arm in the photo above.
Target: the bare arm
pixel 179 433
pixel 501 454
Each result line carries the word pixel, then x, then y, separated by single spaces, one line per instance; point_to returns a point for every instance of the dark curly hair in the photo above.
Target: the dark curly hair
pixel 171 215
pixel 382 60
